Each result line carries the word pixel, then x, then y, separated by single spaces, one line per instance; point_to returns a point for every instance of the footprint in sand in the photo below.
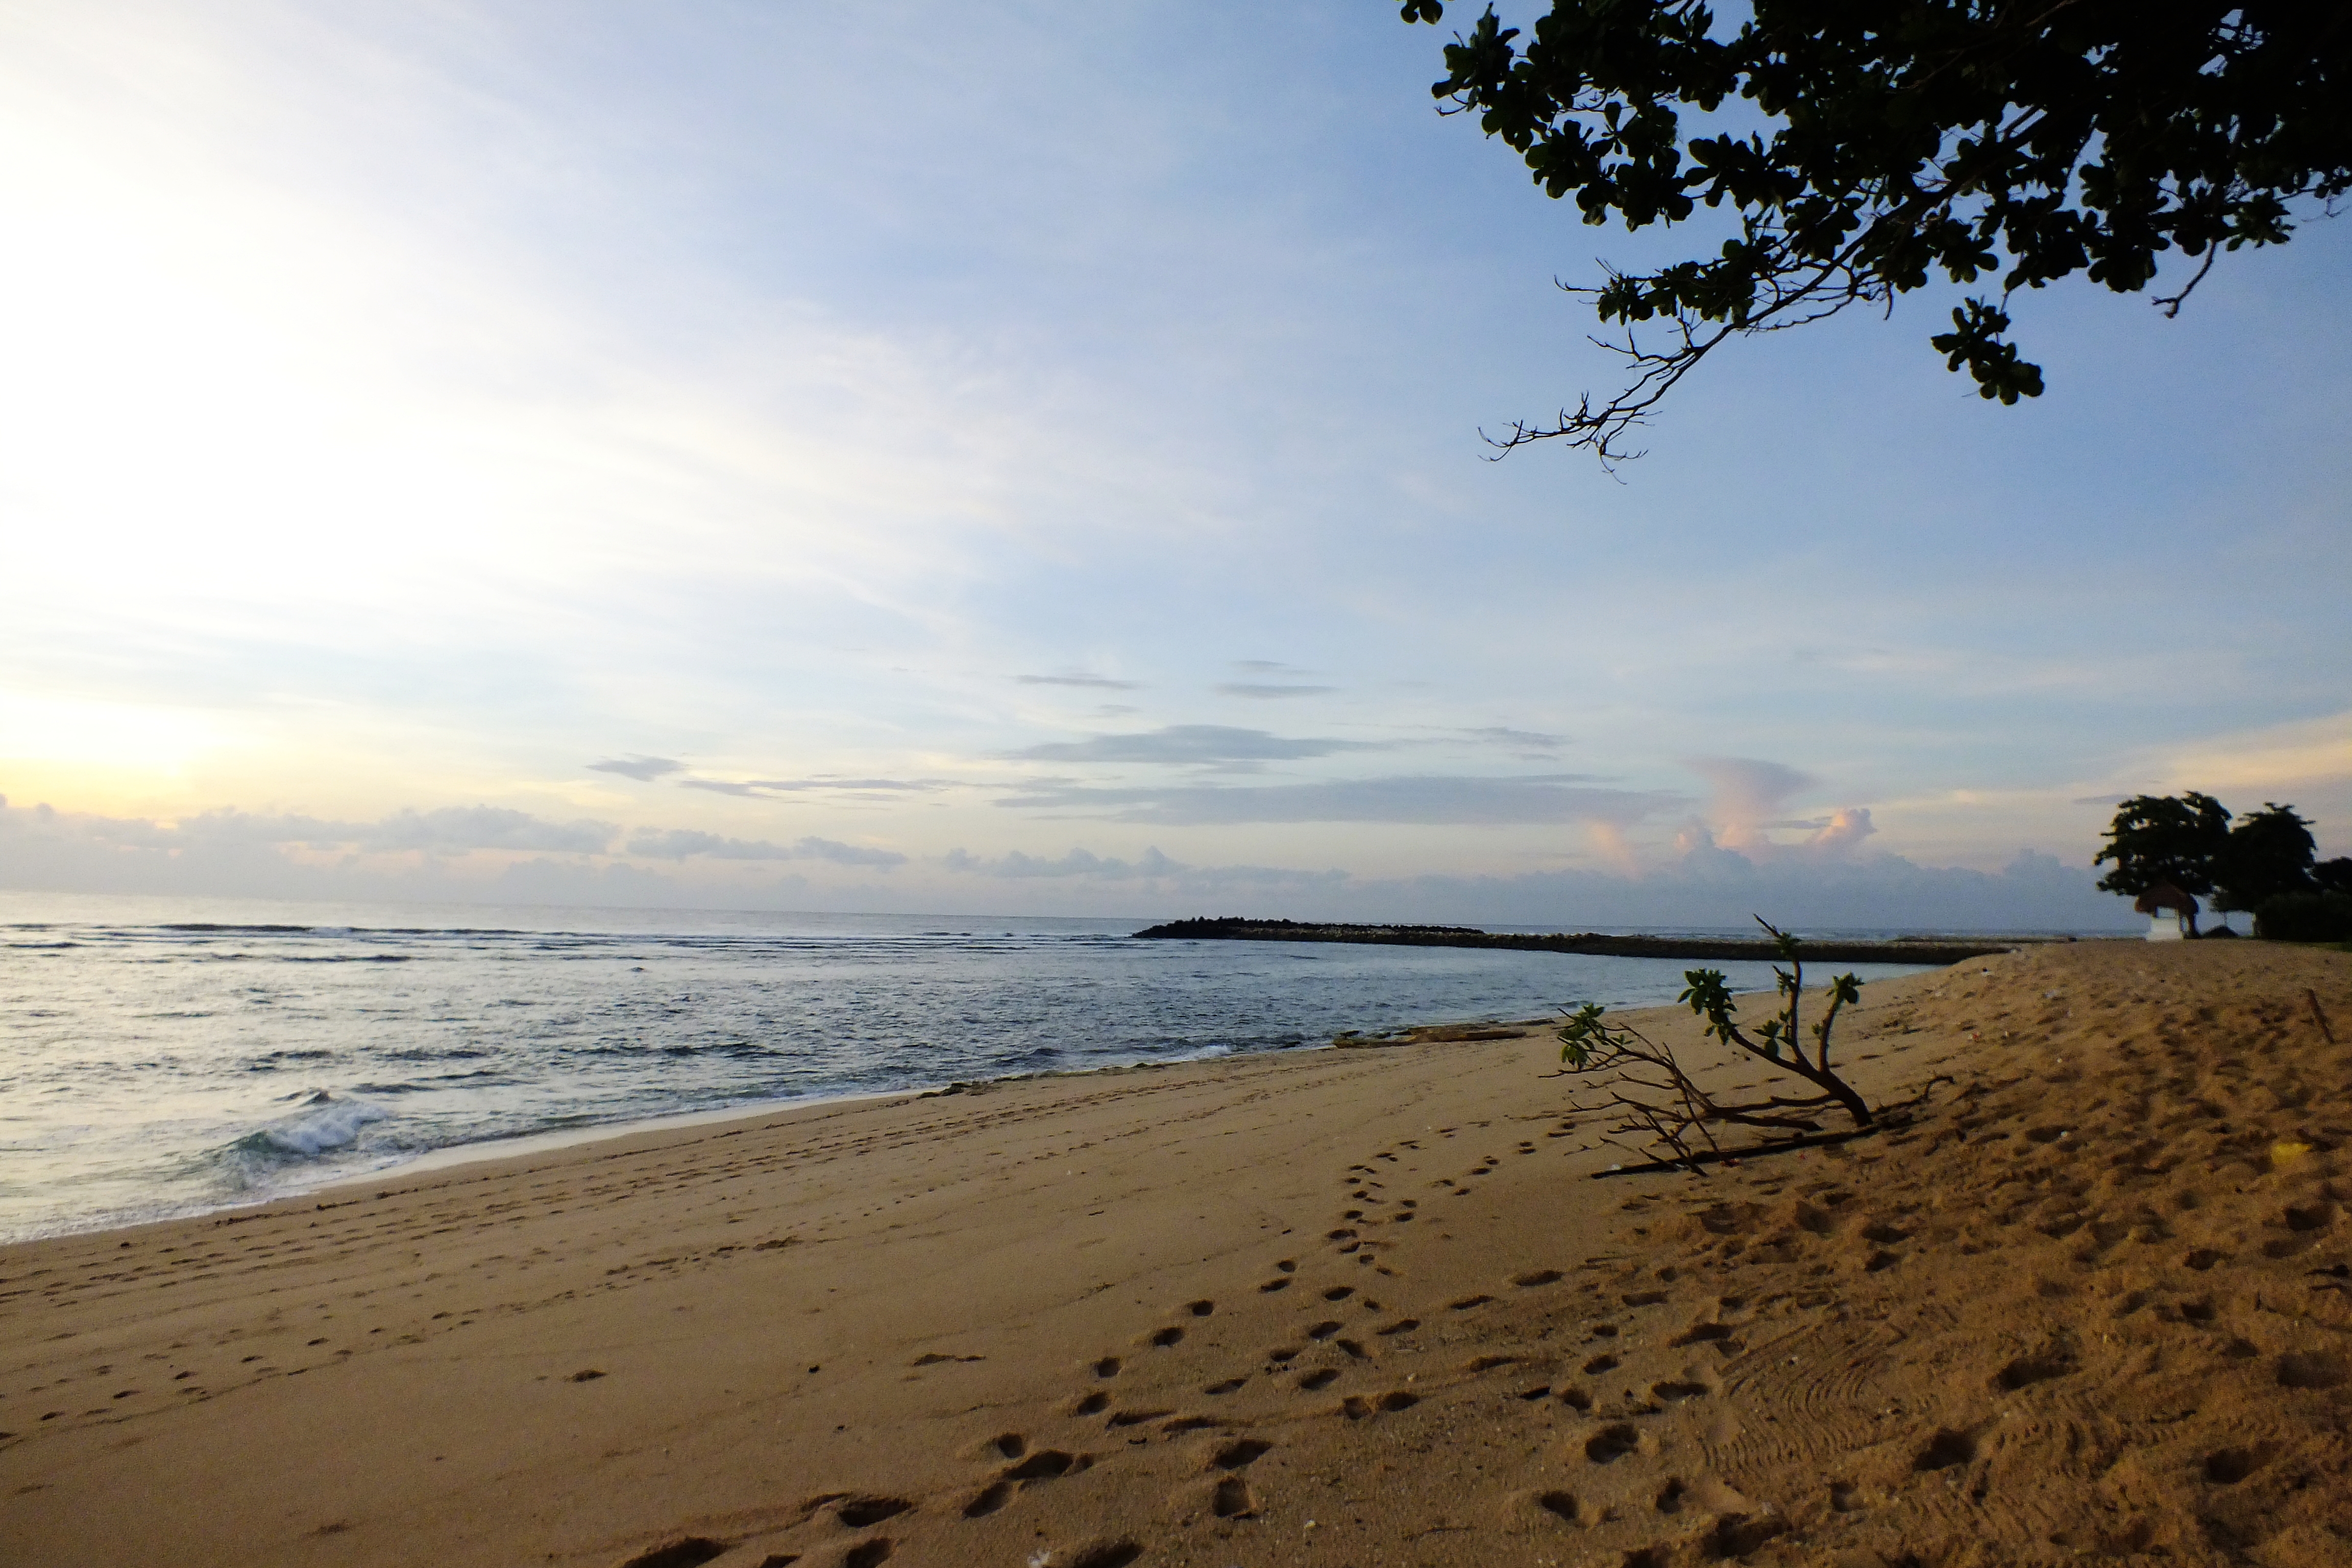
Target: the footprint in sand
pixel 1139 1417
pixel 1612 1443
pixel 1356 1408
pixel 1233 1498
pixel 1717 1335
pixel 1046 1464
pixel 1240 1454
pixel 1107 1367
pixel 1201 1308
pixel 1167 1337
pixel 690 1552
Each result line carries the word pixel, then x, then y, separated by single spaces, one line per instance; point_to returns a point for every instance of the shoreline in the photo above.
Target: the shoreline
pixel 529 1144
pixel 236 1117
pixel 1299 1307
pixel 524 1145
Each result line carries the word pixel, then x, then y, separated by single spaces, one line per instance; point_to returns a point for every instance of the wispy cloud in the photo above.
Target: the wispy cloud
pixel 1077 863
pixel 1093 682
pixel 1265 689
pixel 755 788
pixel 448 830
pixel 462 827
pixel 643 769
pixel 679 843
pixel 1167 875
pixel 1517 740
pixel 1192 744
pixel 1425 799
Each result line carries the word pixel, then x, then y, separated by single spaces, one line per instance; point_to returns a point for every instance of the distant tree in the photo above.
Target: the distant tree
pixel 2333 875
pixel 1881 142
pixel 2160 838
pixel 2269 852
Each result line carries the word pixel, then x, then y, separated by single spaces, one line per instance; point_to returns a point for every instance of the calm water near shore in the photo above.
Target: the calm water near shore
pixel 169 1056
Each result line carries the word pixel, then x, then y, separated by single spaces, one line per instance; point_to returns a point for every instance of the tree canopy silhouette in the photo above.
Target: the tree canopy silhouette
pixel 1882 142
pixel 2269 852
pixel 2159 840
pixel 2188 842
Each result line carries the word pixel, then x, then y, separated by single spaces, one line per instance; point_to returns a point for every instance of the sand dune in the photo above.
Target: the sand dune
pixel 1344 1307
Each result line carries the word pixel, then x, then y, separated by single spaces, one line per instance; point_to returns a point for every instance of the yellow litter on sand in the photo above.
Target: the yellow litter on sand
pixel 2287 1153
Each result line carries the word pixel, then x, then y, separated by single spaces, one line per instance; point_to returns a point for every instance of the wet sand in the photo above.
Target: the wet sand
pixel 1361 1306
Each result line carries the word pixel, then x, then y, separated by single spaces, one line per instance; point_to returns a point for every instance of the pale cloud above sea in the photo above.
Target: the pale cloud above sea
pixel 45 849
pixel 1260 690
pixel 1193 745
pixel 1420 799
pixel 643 769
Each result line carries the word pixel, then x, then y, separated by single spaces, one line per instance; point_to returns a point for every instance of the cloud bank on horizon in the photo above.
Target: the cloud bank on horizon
pixel 585 454
pixel 485 857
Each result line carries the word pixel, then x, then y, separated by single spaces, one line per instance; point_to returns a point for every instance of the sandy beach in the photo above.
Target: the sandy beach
pixel 1346 1307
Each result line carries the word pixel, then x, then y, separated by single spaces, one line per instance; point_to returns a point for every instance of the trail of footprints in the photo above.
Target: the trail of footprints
pixel 1336 1353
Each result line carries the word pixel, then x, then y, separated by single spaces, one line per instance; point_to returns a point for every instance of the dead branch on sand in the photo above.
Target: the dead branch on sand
pixel 1653 1096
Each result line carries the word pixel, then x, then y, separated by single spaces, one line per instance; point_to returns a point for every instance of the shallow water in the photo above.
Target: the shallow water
pixel 169 1057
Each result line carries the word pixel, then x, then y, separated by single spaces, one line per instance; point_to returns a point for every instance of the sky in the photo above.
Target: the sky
pixel 1026 458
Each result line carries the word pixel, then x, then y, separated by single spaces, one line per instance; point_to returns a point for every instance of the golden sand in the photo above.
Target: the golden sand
pixel 1346 1307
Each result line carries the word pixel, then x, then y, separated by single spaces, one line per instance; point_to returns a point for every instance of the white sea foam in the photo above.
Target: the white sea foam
pixel 325 1121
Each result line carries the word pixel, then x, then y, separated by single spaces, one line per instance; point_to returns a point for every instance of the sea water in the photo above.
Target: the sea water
pixel 166 1057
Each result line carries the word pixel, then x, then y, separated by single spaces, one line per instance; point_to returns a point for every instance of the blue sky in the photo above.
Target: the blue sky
pixel 1027 457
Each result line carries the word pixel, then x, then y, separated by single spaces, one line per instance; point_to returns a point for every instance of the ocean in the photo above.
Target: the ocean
pixel 172 1057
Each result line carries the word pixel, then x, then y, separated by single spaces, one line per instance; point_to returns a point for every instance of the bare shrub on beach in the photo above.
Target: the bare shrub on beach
pixel 1650 1093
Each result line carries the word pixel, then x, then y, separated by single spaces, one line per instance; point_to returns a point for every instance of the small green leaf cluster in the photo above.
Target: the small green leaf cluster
pixel 1707 993
pixel 1586 1036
